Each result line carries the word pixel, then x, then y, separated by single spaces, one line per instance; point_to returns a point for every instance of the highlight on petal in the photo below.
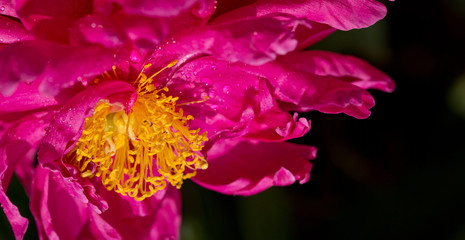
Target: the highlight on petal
pixel 246 167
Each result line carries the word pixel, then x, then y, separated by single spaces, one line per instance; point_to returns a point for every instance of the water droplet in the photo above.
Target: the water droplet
pixel 188 75
pixel 2 8
pixel 195 95
pixel 135 57
pixel 213 67
pixel 212 93
pixel 93 25
pixel 227 89
pixel 206 81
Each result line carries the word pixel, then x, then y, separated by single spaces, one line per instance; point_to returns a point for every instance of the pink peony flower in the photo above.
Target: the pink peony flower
pixel 125 100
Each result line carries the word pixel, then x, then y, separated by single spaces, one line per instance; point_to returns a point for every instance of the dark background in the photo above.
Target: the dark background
pixel 399 174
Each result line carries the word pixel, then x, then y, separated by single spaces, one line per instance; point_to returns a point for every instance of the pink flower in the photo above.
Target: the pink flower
pixel 125 100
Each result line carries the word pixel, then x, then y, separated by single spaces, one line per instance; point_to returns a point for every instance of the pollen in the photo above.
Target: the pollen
pixel 138 152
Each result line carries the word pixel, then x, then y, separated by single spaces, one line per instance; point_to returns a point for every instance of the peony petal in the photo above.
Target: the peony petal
pixel 12 31
pixel 18 223
pixel 343 15
pixel 51 20
pixel 245 167
pixel 252 41
pixel 26 97
pixel 22 62
pixel 348 68
pixel 7 7
pixel 60 215
pixel 67 65
pixel 161 8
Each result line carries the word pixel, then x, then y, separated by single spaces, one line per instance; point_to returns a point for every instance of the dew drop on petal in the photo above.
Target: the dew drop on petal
pixel 206 81
pixel 213 67
pixel 2 8
pixel 188 75
pixel 135 57
pixel 227 89
pixel 212 93
pixel 93 25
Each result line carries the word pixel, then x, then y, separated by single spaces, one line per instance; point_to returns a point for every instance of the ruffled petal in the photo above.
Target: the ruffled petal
pixel 348 68
pixel 343 15
pixel 60 215
pixel 22 62
pixel 245 167
pixel 26 97
pixel 69 65
pixel 226 100
pixel 7 7
pixel 51 20
pixel 18 223
pixel 18 147
pixel 252 41
pixel 12 31
pixel 160 8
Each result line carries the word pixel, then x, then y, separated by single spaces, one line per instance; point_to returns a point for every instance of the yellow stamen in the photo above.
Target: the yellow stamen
pixel 137 152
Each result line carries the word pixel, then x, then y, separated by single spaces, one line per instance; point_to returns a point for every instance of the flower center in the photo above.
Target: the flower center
pixel 138 152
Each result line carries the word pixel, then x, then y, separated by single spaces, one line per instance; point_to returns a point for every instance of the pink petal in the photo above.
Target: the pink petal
pixel 60 215
pixel 348 68
pixel 252 41
pixel 245 167
pixel 18 223
pixel 161 8
pixel 51 20
pixel 21 62
pixel 343 15
pixel 12 31
pixel 7 7
pixel 69 64
pixel 26 97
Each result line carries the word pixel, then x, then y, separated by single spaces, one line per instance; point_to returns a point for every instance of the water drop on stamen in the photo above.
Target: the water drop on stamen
pixel 227 89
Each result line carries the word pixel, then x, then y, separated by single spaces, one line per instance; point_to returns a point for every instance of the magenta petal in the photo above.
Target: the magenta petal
pixel 244 167
pixel 50 19
pixel 343 15
pixel 7 7
pixel 22 62
pixel 158 8
pixel 18 223
pixel 12 31
pixel 26 97
pixel 348 68
pixel 252 41
pixel 59 215
pixel 69 64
